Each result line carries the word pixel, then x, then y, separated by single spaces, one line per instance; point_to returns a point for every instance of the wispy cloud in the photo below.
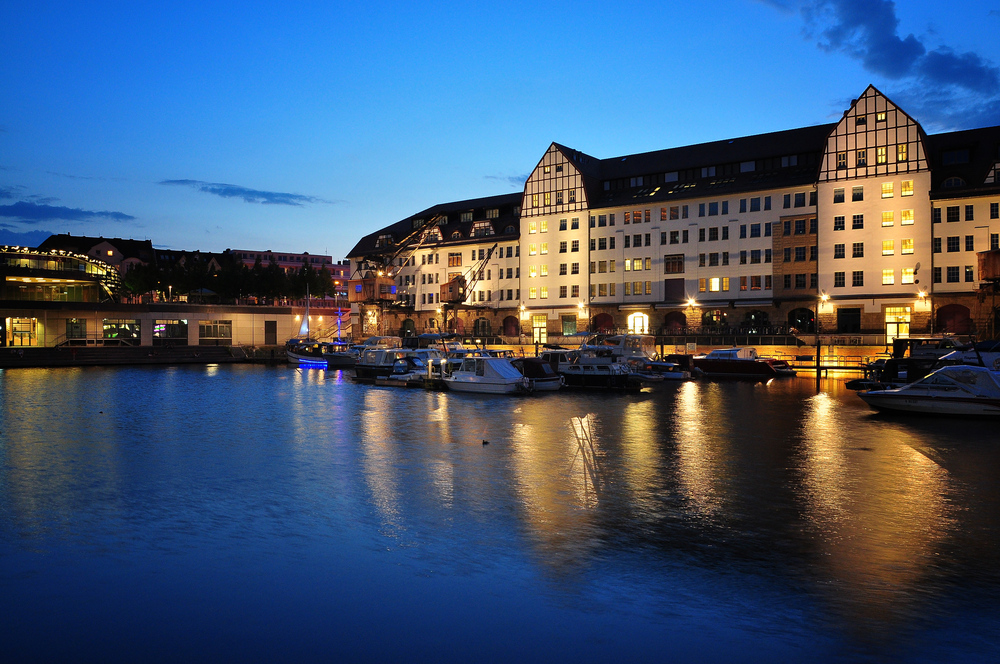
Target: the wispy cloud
pixel 33 213
pixel 10 236
pixel 515 181
pixel 943 87
pixel 248 195
pixel 84 177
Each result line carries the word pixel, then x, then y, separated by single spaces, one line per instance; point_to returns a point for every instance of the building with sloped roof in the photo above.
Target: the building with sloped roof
pixel 862 226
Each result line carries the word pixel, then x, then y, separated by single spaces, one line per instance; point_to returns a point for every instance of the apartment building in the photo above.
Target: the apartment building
pixel 865 224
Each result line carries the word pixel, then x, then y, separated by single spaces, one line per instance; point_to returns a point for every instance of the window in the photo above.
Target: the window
pixel 646 237
pixel 544 248
pixel 969 243
pixel 455 260
pixel 701 210
pixel 767 202
pixel 858 278
pixel 787 254
pixel 901 152
pixel 713 259
pixel 841 160
pixel 602 266
pixel 906 218
pixel 936 245
pixel 838 195
pixel 532 249
pixel 602 243
pixel 743 257
pixel 858 221
pixel 754 230
pixel 543 293
pixel 743 205
pixel 755 204
pixel 563 291
pixel 881 155
pixel 754 256
pixel 562 269
pixel 886 190
pixel 838 279
pixel 994 241
pixel 701 235
pixel 713 234
pixel 743 231
pixel 888 277
pixel 800 226
pixel 562 224
pixel 543 270
pixel 684 237
pixel 701 261
pixel 952 274
pixel 887 218
pixel 880 116
pixel 994 210
pixel 532 271
pixel 970 273
pixel 906 277
pixel 906 246
pixel 572 195
pixel 800 254
pixel 663 237
pixel 543 226
pixel 674 212
pixel 636 240
pixel 574 268
pixel 574 291
pixel 969 212
pixel 858 193
pixel 906 188
pixel 787 227
pixel 935 215
pixel 800 281
pixel 787 201
pixel 562 247
pixel 674 235
pixel 888 247
pixel 937 275
pixel 787 280
pixel 575 246
pixel 574 224
pixel 533 293
pixel 767 256
pixel 838 251
pixel 673 264
pixel 858 250
pixel 838 223
pixel 548 198
pixel 800 199
pixel 861 158
pixel 860 120
pixel 954 243
pixel 725 258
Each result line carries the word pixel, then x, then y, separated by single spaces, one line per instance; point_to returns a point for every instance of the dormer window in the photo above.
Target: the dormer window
pixel 383 240
pixel 456 235
pixel 492 213
pixel 466 216
pixel 482 229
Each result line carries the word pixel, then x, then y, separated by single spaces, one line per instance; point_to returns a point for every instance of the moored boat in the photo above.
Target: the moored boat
pixel 539 373
pixel 741 362
pixel 951 390
pixel 487 375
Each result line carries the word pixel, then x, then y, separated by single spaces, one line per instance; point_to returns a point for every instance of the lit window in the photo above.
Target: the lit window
pixel 907 275
pixel 906 246
pixel 532 293
pixel 880 116
pixel 543 293
pixel 906 218
pixel 548 198
pixel 901 152
pixel 544 248
pixel 532 249
pixel 543 226
pixel 886 190
pixel 534 200
pixel 881 155
pixel 887 218
pixel 888 247
pixel 888 277
pixel 906 188
pixel 714 284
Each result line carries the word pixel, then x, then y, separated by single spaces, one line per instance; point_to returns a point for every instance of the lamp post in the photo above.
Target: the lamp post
pixel 823 298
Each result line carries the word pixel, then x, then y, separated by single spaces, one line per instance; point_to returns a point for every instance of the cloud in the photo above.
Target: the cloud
pixel 515 181
pixel 248 195
pixel 944 88
pixel 10 192
pixel 12 238
pixel 33 213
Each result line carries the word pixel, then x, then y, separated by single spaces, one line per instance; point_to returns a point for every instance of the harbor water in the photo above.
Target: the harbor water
pixel 251 513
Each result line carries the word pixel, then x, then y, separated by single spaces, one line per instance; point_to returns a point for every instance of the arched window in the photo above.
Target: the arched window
pixel 510 230
pixel 456 235
pixel 953 182
pixel 638 323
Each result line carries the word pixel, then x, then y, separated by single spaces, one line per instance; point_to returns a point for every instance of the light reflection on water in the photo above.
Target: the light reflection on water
pixel 296 512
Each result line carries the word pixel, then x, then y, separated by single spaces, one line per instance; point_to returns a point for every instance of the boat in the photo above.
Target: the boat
pixel 639 352
pixel 539 373
pixel 587 369
pixel 952 390
pixel 741 362
pixel 379 363
pixel 487 375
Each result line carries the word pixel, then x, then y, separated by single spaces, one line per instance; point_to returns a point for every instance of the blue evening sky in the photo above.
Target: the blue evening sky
pixel 303 126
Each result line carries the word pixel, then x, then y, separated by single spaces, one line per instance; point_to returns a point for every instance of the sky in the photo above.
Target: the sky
pixel 305 126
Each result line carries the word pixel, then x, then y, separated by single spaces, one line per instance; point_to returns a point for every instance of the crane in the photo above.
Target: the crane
pixel 375 283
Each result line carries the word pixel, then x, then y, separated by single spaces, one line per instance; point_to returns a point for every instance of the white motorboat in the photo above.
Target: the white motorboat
pixel 639 352
pixel 951 390
pixel 540 374
pixel 487 375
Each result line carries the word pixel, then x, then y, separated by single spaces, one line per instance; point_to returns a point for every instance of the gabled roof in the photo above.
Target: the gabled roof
pixel 983 150
pixel 141 249
pixel 505 203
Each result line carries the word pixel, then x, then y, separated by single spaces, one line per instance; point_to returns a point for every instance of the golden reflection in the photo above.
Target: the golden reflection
pixel 380 457
pixel 702 456
pixel 879 508
pixel 641 451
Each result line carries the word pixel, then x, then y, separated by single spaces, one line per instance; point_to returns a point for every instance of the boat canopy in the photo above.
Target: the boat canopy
pixel 732 354
pixel 491 367
pixel 979 380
